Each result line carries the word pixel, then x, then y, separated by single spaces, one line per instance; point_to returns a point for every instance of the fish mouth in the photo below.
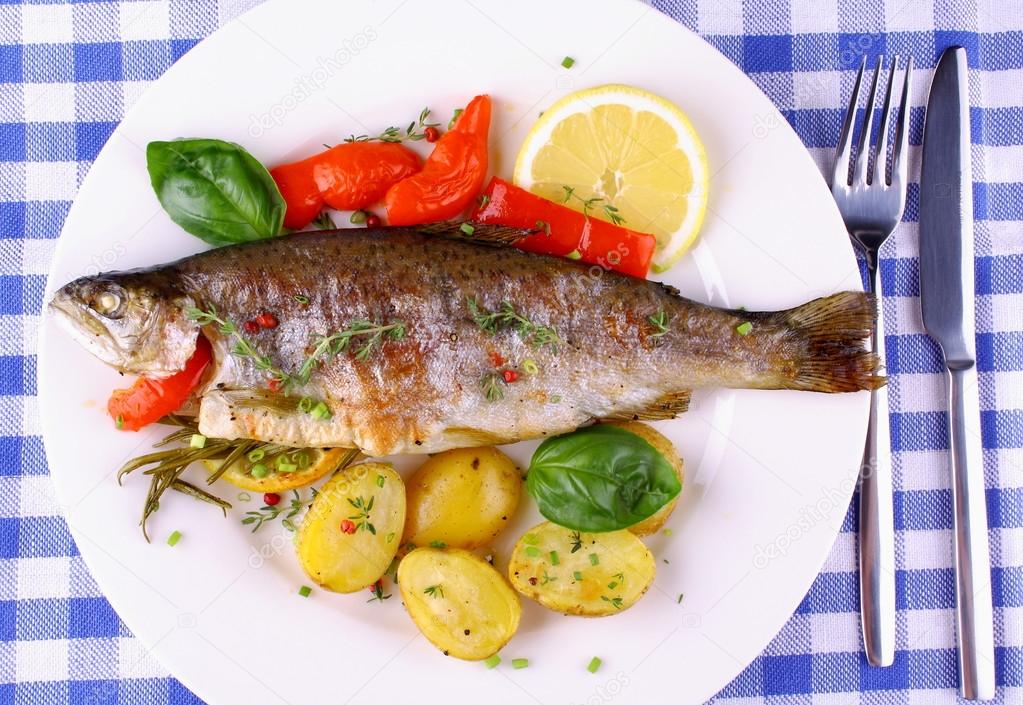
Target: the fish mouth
pixel 86 330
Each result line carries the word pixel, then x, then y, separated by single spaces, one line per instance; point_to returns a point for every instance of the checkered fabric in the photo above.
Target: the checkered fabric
pixel 68 72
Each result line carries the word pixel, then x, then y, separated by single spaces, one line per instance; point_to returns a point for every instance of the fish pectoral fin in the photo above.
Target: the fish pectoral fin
pixel 667 407
pixel 498 235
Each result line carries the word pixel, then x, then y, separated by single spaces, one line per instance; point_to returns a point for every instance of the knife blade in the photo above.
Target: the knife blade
pixel 947 301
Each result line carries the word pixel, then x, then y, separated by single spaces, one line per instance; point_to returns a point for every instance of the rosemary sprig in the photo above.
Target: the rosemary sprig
pixel 661 322
pixel 610 211
pixel 361 517
pixel 535 335
pixel 371 332
pixel 242 346
pixel 415 131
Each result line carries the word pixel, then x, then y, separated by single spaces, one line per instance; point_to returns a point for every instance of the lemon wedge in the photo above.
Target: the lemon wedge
pixel 627 148
pixel 285 470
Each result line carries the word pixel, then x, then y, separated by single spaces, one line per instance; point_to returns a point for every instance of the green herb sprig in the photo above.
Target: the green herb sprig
pixel 535 335
pixel 372 335
pixel 415 131
pixel 434 591
pixel 361 517
pixel 610 211
pixel 661 323
pixel 242 347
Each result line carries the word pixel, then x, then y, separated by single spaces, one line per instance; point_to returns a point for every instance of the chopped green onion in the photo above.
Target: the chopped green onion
pixel 119 421
pixel 358 217
pixel 532 551
pixel 574 254
pixel 305 591
pixel 286 467
pixel 467 229
pixel 612 585
pixel 305 405
pixel 667 532
pixel 197 441
pixel 173 538
pixel 302 299
pixel 554 558
pixel 244 497
pixel 568 62
pixel 492 661
pixel 259 471
pixel 301 459
pixel 321 412
pixel 454 117
pixel 483 199
pixel 520 662
pixel 744 328
pixel 380 480
pixel 256 455
pixel 577 575
pixel 555 398
pixel 594 559
pixel 531 539
pixel 436 544
pixel 594 665
pixel 390 537
pixel 530 367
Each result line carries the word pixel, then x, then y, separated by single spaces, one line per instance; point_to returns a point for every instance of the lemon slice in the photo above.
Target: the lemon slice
pixel 303 466
pixel 629 148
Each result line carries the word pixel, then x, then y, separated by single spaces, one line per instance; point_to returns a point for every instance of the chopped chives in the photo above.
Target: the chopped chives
pixel 531 539
pixel 594 559
pixel 520 662
pixel 197 441
pixel 532 551
pixel 258 471
pixel 492 661
pixel 174 538
pixel 577 575
pixel 454 117
pixel 321 411
pixel 302 299
pixel 594 666
pixel 301 459
pixel 256 455
pixel 744 328
pixel 305 591
pixel 305 405
pixel 568 62
pixel 574 254
pixel 612 585
pixel 554 558
pixel 667 532
pixel 119 421
pixel 357 217
pixel 380 480
pixel 530 366
pixel 467 229
pixel 286 467
pixel 244 497
pixel 436 544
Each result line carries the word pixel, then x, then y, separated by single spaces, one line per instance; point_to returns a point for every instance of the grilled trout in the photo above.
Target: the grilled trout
pixel 398 340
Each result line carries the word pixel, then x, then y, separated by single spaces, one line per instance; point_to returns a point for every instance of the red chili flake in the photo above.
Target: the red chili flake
pixel 432 134
pixel 267 320
pixel 497 359
pixel 372 221
pixel 271 499
pixel 274 385
pixel 510 376
pixel 532 581
pixel 251 327
pixel 348 526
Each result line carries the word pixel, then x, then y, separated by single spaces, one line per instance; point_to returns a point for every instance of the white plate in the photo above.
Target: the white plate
pixel 769 474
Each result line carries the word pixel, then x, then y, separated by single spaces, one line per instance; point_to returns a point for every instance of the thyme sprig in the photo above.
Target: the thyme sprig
pixel 372 334
pixel 415 131
pixel 535 335
pixel 610 211
pixel 378 592
pixel 577 541
pixel 493 386
pixel 242 347
pixel 290 510
pixel 615 602
pixel 661 322
pixel 434 591
pixel 361 517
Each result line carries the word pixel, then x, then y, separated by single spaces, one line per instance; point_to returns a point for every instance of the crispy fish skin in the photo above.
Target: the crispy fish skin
pixel 425 392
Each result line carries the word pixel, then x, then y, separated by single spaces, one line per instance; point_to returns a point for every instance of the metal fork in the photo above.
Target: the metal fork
pixel 871 203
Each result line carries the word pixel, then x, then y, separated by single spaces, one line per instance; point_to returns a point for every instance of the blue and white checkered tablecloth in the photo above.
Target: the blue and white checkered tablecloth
pixel 69 71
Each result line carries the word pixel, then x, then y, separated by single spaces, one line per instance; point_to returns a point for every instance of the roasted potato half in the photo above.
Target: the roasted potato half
pixel 458 601
pixel 594 575
pixel 353 528
pixel 665 447
pixel 462 498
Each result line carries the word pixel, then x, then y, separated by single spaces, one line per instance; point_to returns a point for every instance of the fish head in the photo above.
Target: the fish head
pixel 136 322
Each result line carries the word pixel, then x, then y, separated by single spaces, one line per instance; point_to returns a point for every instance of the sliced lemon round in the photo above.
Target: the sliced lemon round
pixel 288 470
pixel 626 148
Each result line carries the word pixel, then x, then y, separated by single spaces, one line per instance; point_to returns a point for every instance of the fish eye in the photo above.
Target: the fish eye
pixel 107 304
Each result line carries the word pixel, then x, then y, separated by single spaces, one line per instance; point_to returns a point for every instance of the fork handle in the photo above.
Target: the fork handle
pixel 876 515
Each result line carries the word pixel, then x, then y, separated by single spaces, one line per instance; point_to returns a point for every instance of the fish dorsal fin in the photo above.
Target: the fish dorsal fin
pixel 667 407
pixel 474 232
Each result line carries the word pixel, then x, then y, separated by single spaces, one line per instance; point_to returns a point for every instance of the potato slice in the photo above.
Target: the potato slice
pixel 317 463
pixel 353 528
pixel 594 575
pixel 663 445
pixel 458 601
pixel 462 498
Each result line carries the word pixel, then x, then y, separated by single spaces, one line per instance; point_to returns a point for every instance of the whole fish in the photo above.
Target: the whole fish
pixel 399 340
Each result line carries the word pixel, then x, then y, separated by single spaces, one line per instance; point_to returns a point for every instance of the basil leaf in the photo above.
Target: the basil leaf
pixel 600 478
pixel 215 190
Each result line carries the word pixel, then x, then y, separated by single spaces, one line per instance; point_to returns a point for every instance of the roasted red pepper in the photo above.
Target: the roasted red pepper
pixel 150 399
pixel 559 230
pixel 349 176
pixel 452 175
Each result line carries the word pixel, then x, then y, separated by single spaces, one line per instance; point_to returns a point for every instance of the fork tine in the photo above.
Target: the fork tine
pixel 863 149
pixel 841 172
pixel 881 150
pixel 900 168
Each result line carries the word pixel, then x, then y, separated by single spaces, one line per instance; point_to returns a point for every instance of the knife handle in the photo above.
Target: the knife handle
pixel 974 615
pixel 877 518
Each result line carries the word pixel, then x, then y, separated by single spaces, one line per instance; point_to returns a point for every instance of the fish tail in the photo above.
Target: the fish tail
pixel 829 335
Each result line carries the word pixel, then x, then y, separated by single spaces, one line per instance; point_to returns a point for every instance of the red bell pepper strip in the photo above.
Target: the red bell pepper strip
pixel 561 231
pixel 452 175
pixel 150 399
pixel 349 176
